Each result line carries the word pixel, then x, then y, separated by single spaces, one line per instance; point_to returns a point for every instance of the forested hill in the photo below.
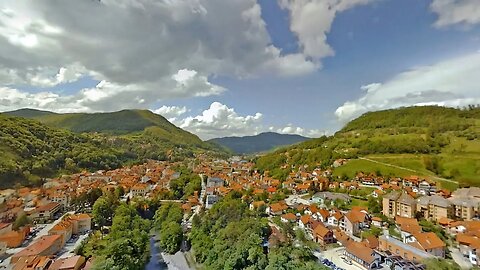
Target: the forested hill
pixel 431 139
pixel 434 118
pixel 31 150
pixel 128 125
pixel 258 143
pixel 120 122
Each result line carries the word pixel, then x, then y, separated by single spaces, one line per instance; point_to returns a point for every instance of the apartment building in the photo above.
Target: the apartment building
pixel 398 203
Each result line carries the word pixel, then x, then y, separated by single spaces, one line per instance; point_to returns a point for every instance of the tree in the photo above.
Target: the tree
pixel 171 237
pixel 102 212
pixel 440 264
pixel 20 221
pixel 374 205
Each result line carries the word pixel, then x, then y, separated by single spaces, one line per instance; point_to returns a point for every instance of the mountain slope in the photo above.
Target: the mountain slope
pixel 142 126
pixel 258 143
pixel 121 122
pixel 434 140
pixel 31 150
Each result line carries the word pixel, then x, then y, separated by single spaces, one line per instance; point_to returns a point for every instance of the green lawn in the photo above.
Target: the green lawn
pixel 358 202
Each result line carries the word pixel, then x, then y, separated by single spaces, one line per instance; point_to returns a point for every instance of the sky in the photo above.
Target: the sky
pixel 240 67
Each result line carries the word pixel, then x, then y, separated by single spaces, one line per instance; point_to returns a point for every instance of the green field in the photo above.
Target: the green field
pixel 358 165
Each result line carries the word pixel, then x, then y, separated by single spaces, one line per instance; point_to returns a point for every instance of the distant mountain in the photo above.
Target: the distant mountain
pixel 258 143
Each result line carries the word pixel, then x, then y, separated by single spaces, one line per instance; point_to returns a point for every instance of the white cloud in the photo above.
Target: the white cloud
pixel 453 82
pixel 311 21
pixel 466 12
pixel 171 112
pixel 146 50
pixel 219 120
pixel 291 129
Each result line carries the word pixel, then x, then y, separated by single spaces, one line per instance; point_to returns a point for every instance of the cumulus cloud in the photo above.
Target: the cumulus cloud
pixel 453 82
pixel 171 112
pixel 291 129
pixel 465 12
pixel 219 120
pixel 311 21
pixel 146 50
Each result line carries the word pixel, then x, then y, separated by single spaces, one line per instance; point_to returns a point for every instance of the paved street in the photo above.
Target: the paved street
pixel 334 256
pixel 463 262
pixel 69 248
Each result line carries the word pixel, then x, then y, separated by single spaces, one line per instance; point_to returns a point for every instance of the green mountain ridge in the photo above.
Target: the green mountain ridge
pixel 258 143
pixel 431 140
pixel 38 144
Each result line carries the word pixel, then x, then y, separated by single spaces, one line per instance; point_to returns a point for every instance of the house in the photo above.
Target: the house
pixel 14 239
pixel 47 211
pixel 334 218
pixel 341 237
pixel 304 220
pixel 32 262
pixel 399 248
pixel 429 242
pixel 434 207
pixel 466 203
pixel 61 198
pixel 211 200
pixel 362 255
pixel 322 235
pixel 469 245
pixel 256 205
pixel 408 227
pixel 322 215
pixel 82 223
pixel 44 246
pixel 288 217
pixel 214 182
pixel 64 229
pixel 140 190
pixel 353 221
pixel 377 222
pixel 371 241
pixel 398 203
pixel 70 263
pixel 276 209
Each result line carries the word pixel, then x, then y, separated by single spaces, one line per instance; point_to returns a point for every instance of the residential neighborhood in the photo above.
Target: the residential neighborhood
pixel 411 219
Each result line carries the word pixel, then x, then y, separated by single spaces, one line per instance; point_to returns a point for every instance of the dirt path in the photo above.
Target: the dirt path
pixel 408 169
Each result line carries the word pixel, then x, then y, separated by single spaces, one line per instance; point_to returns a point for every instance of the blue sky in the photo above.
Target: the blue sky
pixel 242 67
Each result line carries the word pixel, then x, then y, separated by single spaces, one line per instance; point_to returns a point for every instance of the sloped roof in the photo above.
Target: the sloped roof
pixel 429 240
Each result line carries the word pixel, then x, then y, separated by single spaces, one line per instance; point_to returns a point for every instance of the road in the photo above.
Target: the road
pixel 407 169
pixel 334 256
pixel 457 256
pixel 69 249
pixel 296 199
